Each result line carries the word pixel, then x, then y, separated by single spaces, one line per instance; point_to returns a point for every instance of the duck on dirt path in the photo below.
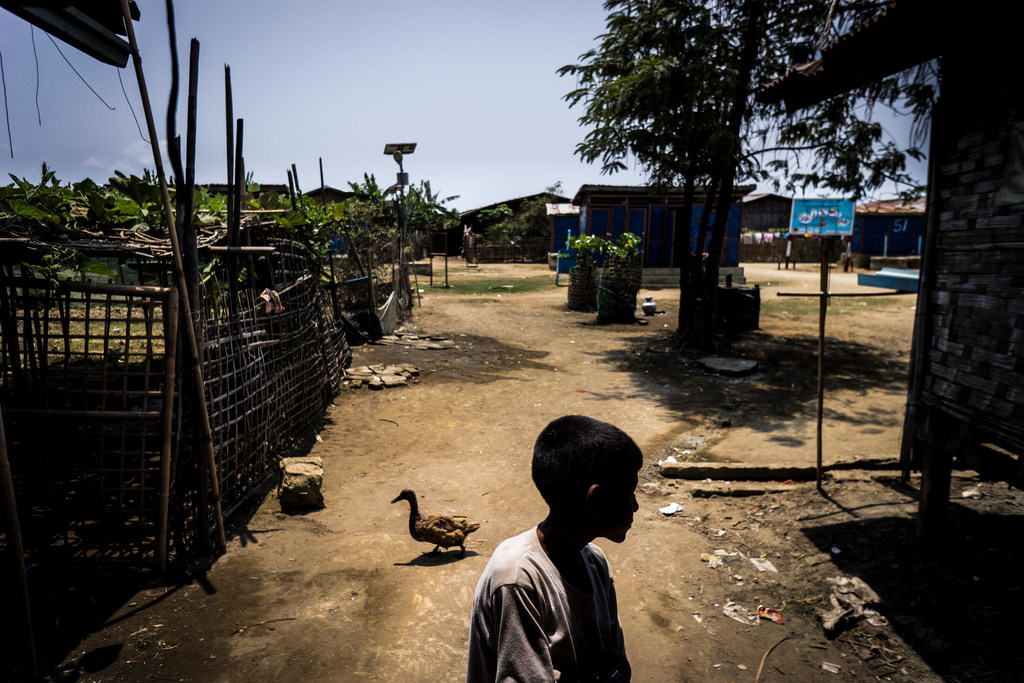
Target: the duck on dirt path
pixel 444 531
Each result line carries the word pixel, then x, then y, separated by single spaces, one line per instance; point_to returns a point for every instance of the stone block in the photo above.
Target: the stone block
pixel 301 483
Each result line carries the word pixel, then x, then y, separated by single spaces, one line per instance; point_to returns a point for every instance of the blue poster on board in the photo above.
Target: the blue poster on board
pixel 828 217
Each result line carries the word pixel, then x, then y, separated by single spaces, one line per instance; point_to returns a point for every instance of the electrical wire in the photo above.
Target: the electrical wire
pixel 78 74
pixel 130 107
pixel 35 55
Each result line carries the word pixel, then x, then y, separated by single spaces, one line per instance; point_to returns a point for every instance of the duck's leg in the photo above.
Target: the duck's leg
pixel 435 551
pixel 463 548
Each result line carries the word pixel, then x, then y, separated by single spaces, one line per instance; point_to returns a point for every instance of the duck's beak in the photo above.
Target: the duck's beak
pixel 397 498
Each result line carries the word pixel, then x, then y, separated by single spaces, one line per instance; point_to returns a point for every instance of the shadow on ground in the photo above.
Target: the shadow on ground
pixel 960 610
pixel 782 389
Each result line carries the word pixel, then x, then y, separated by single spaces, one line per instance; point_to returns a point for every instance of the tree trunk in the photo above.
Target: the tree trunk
pixel 704 334
pixel 682 256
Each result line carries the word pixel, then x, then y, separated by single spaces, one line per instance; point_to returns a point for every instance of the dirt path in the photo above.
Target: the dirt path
pixel 343 593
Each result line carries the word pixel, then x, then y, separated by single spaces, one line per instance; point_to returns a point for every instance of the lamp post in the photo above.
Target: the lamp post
pixel 398 151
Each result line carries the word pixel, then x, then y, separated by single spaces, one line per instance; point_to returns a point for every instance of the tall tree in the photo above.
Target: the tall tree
pixel 671 85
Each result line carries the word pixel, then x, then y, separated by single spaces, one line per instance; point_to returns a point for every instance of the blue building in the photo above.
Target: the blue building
pixel 892 227
pixel 610 210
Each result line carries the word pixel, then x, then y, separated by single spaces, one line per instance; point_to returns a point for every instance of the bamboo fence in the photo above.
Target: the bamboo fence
pixel 102 437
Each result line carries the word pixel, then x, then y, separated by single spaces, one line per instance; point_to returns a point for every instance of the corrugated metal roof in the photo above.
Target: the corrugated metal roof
pixel 754 196
pixel 894 206
pixel 511 202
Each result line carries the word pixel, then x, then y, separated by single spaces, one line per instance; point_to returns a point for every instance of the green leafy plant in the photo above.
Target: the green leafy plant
pixel 586 248
pixel 626 247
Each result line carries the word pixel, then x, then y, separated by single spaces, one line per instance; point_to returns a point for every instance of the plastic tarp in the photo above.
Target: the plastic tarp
pixel 388 314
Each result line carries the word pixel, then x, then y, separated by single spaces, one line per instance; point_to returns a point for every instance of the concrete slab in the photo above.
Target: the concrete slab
pixel 734 367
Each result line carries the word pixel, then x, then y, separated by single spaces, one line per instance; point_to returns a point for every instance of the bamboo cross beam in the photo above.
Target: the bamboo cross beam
pixel 240 250
pixel 841 294
pixel 205 435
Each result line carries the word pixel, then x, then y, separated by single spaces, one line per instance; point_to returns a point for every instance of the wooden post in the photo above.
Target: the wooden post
pixel 13 530
pixel 179 279
pixel 236 221
pixel 167 425
pixel 934 440
pixel 230 120
pixel 190 254
pixel 291 191
pixel 826 243
pixel 330 249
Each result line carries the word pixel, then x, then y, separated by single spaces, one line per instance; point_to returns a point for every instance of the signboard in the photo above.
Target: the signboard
pixel 827 217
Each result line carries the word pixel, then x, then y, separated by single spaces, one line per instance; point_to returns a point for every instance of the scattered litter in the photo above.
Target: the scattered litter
pixel 712 560
pixel 698 618
pixel 836 550
pixel 319 440
pixel 720 532
pixel 815 560
pixel 874 618
pixel 849 597
pixel 741 667
pixel 771 614
pixel 668 459
pixel 830 667
pixel 740 614
pixel 763 564
pixel 972 493
pixel 671 509
pixel 806 601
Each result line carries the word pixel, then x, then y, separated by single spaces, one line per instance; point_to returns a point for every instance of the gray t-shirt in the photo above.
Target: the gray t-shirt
pixel 528 624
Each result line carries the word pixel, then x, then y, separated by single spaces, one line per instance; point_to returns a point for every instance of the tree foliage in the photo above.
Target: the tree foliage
pixel 671 84
pixel 530 219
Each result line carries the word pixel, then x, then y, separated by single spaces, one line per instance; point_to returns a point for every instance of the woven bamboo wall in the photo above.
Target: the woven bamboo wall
pixel 975 342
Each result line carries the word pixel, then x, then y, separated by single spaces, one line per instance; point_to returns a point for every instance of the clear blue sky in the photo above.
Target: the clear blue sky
pixel 473 83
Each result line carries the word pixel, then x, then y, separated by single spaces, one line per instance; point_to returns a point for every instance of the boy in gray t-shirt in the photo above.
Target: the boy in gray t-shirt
pixel 545 607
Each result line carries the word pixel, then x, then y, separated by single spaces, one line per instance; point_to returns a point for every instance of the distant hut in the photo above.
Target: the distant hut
pixel 765 212
pixel 889 228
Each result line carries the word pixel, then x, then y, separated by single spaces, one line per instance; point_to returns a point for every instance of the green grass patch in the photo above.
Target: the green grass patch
pixel 503 286
pixel 800 306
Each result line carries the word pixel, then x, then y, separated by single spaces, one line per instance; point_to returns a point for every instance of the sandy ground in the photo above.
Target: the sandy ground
pixel 344 594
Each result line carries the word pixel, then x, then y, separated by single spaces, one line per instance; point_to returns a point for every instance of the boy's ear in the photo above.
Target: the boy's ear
pixel 595 499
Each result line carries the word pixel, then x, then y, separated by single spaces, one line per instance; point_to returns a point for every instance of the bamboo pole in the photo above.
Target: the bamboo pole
pixel 826 244
pixel 179 276
pixel 330 250
pixel 190 254
pixel 240 250
pixel 13 530
pixel 236 221
pixel 167 426
pixel 230 117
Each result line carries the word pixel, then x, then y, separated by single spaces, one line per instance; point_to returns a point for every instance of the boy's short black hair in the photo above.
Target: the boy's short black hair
pixel 573 452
